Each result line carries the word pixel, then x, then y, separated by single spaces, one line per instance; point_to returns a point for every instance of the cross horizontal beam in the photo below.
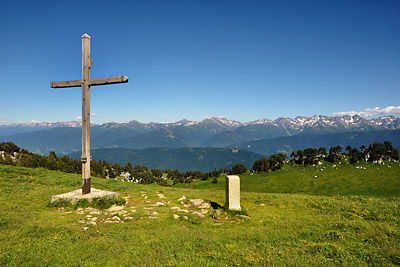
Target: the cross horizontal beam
pixel 92 82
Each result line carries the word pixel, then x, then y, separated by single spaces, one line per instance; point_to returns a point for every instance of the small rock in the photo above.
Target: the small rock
pixel 152 217
pixel 93 219
pixel 115 208
pixel 160 195
pixel 81 221
pixel 155 213
pixel 147 208
pixel 204 205
pixel 97 212
pixel 203 211
pixel 157 204
pixel 169 202
pixel 218 212
pixel 176 216
pixel 133 210
pixel 85 228
pixel 198 214
pixel 123 212
pixel 263 205
pixel 196 202
pixel 244 216
pixel 175 208
pixel 88 216
pixel 92 223
pixel 182 198
pixel 128 218
pixel 185 217
pixel 116 218
pixel 185 211
pixel 186 205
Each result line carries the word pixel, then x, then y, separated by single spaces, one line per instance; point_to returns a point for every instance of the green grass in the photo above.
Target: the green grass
pixel 328 180
pixel 310 228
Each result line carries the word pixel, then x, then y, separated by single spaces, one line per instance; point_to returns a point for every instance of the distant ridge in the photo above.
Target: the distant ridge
pixel 64 138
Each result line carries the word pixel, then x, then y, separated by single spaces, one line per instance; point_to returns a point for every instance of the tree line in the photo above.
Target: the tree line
pixel 11 154
pixel 375 153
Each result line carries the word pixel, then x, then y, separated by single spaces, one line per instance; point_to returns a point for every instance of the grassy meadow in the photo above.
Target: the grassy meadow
pixel 345 216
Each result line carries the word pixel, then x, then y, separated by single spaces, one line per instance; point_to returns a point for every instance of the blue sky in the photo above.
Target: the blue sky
pixel 243 60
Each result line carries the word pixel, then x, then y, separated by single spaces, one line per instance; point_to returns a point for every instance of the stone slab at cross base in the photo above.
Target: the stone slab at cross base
pixel 74 196
pixel 232 192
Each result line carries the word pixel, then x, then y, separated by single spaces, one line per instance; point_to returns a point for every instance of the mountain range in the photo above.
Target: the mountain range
pixel 262 136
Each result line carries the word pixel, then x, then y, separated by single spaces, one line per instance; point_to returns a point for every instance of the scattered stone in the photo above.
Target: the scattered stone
pixel 128 218
pixel 92 223
pixel 196 202
pixel 169 202
pixel 115 208
pixel 218 212
pixel 80 212
pixel 133 210
pixel 176 216
pixel 185 211
pixel 157 204
pixel 81 221
pixel 182 198
pixel 175 208
pixel 160 195
pixel 95 212
pixel 198 214
pixel 147 208
pixel 204 205
pixel 203 211
pixel 85 228
pixel 88 216
pixel 185 217
pixel 153 217
pixel 116 218
pixel 123 212
pixel 263 205
pixel 93 219
pixel 245 216
pixel 155 213
pixel 186 205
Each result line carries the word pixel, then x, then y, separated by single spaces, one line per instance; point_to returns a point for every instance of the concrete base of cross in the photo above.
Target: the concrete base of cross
pixel 74 196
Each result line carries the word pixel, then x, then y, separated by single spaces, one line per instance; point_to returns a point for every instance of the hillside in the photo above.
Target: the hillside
pixel 364 179
pixel 289 144
pixel 183 159
pixel 281 229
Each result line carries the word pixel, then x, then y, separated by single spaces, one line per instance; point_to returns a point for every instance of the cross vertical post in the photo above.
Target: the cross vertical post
pixel 85 159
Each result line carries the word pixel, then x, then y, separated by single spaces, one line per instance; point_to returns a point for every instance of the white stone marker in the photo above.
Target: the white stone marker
pixel 232 190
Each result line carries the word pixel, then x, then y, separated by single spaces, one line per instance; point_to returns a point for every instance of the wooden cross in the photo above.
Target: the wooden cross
pixel 85 83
